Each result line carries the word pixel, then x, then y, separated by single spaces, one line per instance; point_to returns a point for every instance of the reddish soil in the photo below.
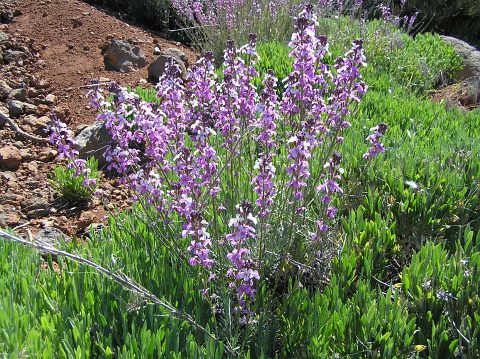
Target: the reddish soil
pixel 72 55
pixel 65 38
pixel 465 95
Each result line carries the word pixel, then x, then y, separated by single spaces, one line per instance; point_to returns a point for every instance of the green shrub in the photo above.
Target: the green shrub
pixel 418 64
pixel 394 58
pixel 70 187
pixel 155 14
pixel 442 291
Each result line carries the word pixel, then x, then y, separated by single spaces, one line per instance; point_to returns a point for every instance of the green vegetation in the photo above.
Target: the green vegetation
pixel 394 58
pixel 401 275
pixel 70 187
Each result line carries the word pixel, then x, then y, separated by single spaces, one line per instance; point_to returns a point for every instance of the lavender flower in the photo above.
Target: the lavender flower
pixel 242 272
pixel 374 138
pixel 61 137
pixel 186 155
pixel 263 181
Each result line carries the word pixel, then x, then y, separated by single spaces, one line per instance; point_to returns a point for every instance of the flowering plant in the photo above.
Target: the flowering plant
pixel 240 180
pixel 76 182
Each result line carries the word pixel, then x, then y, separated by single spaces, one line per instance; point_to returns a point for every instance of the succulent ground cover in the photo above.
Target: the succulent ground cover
pixel 333 213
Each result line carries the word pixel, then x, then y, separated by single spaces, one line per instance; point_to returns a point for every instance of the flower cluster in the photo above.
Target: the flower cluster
pixel 405 22
pixel 374 139
pixel 242 272
pixel 62 138
pixel 317 102
pixel 209 144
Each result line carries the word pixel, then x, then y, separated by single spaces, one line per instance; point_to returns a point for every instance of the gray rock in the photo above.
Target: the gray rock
pixel 3 36
pixel 4 89
pixel 14 56
pixel 36 208
pixel 17 108
pixel 470 57
pixel 38 125
pixel 158 67
pixel 94 141
pixel 122 56
pixel 50 99
pixel 3 110
pixel 51 236
pixel 6 16
pixel 18 94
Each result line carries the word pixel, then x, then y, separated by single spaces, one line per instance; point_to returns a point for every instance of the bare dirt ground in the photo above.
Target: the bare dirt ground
pixel 71 54
pixel 64 39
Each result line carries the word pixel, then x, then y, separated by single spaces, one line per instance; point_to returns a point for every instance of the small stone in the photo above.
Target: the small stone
pixel 4 111
pixel 32 166
pixel 41 84
pixel 26 154
pixel 35 208
pixel 122 56
pixel 156 50
pixel 10 157
pixel 86 218
pixel 76 21
pixel 51 236
pixel 16 108
pixel 42 109
pixel 15 56
pixel 47 155
pixel 8 176
pixel 3 36
pixel 19 94
pixel 33 92
pixel 8 217
pixel 38 125
pixel 93 141
pixel 158 67
pixel 61 112
pixel 4 89
pixel 104 79
pixel 50 99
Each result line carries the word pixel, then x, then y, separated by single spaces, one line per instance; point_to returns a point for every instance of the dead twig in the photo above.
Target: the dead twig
pixel 19 131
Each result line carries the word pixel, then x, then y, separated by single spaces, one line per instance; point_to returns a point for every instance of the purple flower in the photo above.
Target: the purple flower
pixel 242 272
pixel 374 138
pixel 62 138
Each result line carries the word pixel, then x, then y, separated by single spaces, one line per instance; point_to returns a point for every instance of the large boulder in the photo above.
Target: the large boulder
pixel 158 67
pixel 94 141
pixel 470 56
pixel 122 56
